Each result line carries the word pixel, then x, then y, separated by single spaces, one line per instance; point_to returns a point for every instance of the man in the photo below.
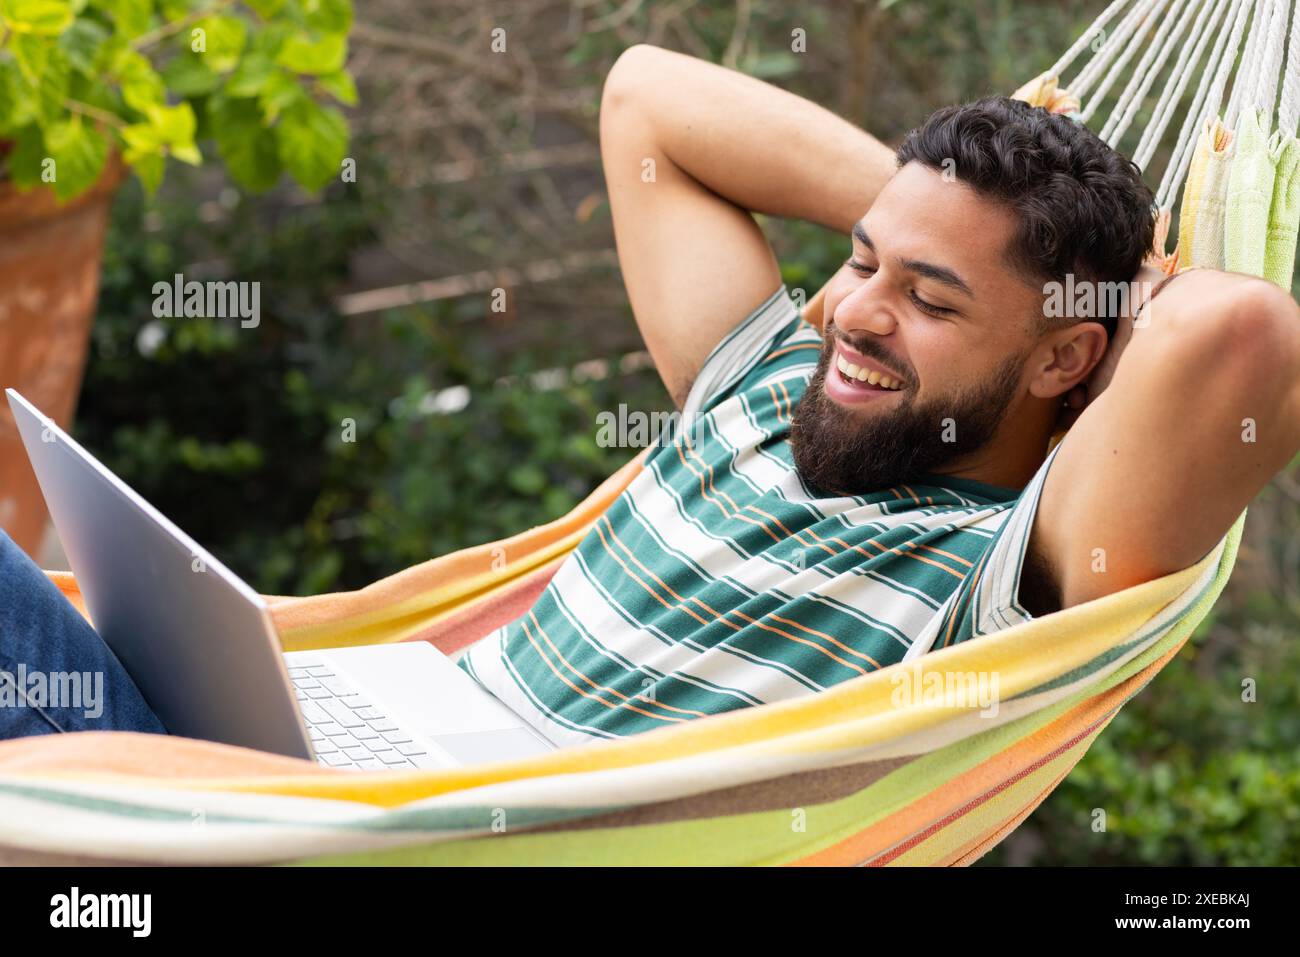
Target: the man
pixel 807 526
pixel 836 503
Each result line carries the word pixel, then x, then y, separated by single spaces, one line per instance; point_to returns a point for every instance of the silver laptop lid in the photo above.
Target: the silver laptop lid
pixel 198 641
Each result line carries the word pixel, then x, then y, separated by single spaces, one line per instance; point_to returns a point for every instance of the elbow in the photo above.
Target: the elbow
pixel 1254 335
pixel 1263 334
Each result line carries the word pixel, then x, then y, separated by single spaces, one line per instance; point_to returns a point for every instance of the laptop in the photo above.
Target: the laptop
pixel 202 648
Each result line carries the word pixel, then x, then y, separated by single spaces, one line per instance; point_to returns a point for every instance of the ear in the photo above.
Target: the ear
pixel 1064 358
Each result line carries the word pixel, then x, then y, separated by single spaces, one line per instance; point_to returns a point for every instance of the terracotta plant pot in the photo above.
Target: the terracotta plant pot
pixel 49 281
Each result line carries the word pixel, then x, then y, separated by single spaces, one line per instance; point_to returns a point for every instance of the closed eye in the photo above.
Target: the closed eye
pixel 864 270
pixel 929 306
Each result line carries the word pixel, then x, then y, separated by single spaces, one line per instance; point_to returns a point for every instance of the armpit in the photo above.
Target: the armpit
pixel 1040 594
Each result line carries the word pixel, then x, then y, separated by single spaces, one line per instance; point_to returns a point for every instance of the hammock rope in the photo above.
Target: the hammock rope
pixel 1142 25
pixel 1250 61
pixel 1289 111
pixel 1209 94
pixel 1145 75
pixel 1087 37
pixel 1173 90
pixel 1110 48
pixel 1266 88
pixel 1235 170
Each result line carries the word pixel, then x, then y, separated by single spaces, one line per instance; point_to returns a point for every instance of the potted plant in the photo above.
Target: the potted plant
pixel 92 91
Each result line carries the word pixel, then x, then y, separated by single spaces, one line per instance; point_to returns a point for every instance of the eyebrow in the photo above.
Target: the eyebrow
pixel 940 274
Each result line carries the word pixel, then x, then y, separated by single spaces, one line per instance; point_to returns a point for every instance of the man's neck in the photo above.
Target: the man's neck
pixel 1012 458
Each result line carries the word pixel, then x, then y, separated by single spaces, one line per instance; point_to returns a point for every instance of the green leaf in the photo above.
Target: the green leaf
pixel 268 40
pixel 314 57
pixel 82 42
pixel 79 151
pixel 249 153
pixel 173 10
pixel 280 92
pixel 223 40
pixel 16 103
pixel 188 153
pixel 147 143
pixel 266 9
pixel 341 86
pixel 47 18
pixel 328 16
pixel 312 141
pixel 110 52
pixel 31 53
pixel 149 168
pixel 188 75
pixel 131 16
pixel 142 87
pixel 26 162
pixel 175 124
pixel 52 91
pixel 141 139
pixel 251 75
pixel 170 129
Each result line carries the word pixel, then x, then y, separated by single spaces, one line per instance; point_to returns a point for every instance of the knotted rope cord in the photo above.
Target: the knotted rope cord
pixel 1288 112
pixel 1109 49
pixel 1182 72
pixel 1209 94
pixel 1145 75
pixel 1135 42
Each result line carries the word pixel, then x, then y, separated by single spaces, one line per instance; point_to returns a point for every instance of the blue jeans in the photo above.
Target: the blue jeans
pixel 56 673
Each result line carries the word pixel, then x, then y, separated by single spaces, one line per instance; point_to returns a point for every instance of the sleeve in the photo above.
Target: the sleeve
pixel 988 600
pixel 763 331
pixel 996 591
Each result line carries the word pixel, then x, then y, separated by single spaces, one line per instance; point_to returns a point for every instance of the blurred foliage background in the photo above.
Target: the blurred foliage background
pixel 475 172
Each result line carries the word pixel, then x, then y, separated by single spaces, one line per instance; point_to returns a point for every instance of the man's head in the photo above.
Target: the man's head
pixel 952 266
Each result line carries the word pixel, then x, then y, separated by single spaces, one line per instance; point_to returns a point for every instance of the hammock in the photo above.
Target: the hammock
pixel 847 776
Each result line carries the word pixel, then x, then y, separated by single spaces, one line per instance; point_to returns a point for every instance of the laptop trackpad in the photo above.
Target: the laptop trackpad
pixel 477 747
pixel 432 694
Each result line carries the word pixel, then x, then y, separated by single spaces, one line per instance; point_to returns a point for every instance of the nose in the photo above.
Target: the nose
pixel 866 310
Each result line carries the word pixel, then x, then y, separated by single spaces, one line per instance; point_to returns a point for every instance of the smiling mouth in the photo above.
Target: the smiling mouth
pixel 862 378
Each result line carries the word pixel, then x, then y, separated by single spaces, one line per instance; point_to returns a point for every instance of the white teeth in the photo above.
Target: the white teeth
pixel 869 376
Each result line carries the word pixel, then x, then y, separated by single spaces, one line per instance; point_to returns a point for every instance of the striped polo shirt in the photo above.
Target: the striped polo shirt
pixel 718 580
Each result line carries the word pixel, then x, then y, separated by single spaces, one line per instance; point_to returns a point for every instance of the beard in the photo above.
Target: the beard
pixel 844 452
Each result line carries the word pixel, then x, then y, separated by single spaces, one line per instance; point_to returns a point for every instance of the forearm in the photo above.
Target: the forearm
pixel 762 148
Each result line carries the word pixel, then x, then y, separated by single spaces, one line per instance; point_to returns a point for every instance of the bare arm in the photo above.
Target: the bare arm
pixel 1195 415
pixel 690 149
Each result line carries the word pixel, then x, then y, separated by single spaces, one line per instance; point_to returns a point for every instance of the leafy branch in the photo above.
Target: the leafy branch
pixel 257 77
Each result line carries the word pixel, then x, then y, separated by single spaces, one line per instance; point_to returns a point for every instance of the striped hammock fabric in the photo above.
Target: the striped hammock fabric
pixel 877 770
pixel 881 770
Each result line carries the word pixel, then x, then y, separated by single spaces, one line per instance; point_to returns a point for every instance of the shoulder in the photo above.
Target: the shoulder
pixel 772 336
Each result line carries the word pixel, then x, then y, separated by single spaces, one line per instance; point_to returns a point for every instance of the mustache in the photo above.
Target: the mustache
pixel 869 348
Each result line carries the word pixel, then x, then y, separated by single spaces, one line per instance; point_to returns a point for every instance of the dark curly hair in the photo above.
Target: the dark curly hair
pixel 1082 207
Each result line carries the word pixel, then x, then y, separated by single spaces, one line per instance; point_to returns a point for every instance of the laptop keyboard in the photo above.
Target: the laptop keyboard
pixel 346 730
